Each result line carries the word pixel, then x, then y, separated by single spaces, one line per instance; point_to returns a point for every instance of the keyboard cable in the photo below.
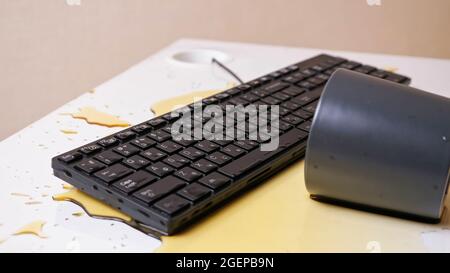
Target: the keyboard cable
pixel 228 70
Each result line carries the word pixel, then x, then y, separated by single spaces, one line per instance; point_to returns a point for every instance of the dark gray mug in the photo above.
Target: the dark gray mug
pixel 380 146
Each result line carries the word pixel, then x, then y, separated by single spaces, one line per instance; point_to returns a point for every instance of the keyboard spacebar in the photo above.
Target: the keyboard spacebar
pixel 255 158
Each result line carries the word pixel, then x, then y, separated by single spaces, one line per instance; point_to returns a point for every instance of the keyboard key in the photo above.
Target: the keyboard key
pixel 136 162
pixel 185 141
pixel 215 181
pixel 126 150
pixel 308 72
pixel 350 65
pixel 169 117
pixel 143 142
pixel 108 157
pixel 89 166
pixel 207 146
pixel 125 135
pixel 134 181
pixel 218 158
pixel 281 96
pixel 316 81
pixel 264 79
pixel 293 91
pixel 153 154
pixel 194 192
pixel 260 93
pixel 293 68
pixel 302 114
pixel 141 128
pixel 188 174
pixel 156 122
pixel 284 111
pixel 292 79
pixel 108 142
pixel 158 189
pixel 159 136
pixel 172 204
pixel 176 161
pixel 282 126
pixel 305 98
pixel 237 101
pixel 271 100
pixel 68 158
pixel 113 173
pixel 160 169
pixel 275 87
pixel 247 144
pixel 290 105
pixel 221 96
pixel 379 74
pixel 233 150
pixel 311 107
pixel 169 147
pixel 307 85
pixel 395 78
pixel 90 149
pixel 305 126
pixel 294 120
pixel 204 166
pixel 249 97
pixel 192 153
pixel 366 69
pixel 244 87
pixel 319 67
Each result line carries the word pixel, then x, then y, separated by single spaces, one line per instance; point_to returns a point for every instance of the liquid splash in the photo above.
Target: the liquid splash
pixel 68 132
pixel 93 116
pixel 34 228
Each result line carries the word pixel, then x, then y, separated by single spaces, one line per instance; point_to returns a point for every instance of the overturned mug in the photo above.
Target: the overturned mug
pixel 380 146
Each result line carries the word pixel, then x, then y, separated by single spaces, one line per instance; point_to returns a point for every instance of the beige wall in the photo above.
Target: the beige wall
pixel 51 51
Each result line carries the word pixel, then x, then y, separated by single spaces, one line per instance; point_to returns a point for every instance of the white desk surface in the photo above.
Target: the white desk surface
pixel 25 158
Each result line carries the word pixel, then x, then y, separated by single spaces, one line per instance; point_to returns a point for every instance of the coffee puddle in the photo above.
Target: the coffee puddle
pixel 93 116
pixel 34 228
pixel 276 216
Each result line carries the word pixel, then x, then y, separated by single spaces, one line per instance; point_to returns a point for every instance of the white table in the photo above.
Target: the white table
pixel 25 158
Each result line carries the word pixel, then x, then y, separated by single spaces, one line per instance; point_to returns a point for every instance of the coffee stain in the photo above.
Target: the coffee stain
pixel 20 194
pixel 93 116
pixel 34 228
pixel 78 214
pixel 33 203
pixel 165 106
pixel 391 69
pixel 276 216
pixel 69 131
pixel 91 205
pixel 67 186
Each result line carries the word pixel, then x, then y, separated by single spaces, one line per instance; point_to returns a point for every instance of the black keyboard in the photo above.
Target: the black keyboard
pixel 164 182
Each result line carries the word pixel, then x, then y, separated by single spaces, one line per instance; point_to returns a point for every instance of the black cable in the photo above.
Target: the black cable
pixel 214 60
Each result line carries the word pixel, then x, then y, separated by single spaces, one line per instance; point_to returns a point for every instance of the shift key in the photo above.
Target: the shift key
pixel 159 189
